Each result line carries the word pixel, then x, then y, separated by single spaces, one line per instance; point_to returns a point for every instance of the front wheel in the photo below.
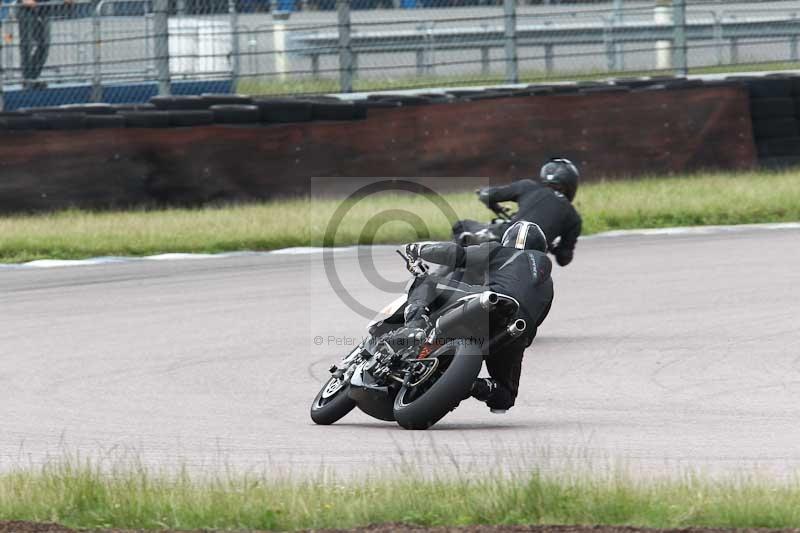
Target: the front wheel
pixel 421 406
pixel 332 402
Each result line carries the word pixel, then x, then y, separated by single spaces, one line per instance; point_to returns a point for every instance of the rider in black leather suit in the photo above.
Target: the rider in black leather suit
pixel 547 202
pixel 518 267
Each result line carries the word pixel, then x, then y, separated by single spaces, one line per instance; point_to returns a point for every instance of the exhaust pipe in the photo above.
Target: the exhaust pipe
pixel 470 319
pixel 517 328
pixel 513 331
pixel 488 300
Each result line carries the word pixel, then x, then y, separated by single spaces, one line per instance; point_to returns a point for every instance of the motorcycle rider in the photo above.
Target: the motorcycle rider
pixel 518 267
pixel 548 203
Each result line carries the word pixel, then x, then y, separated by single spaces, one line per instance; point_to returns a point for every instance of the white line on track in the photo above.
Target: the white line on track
pixel 304 250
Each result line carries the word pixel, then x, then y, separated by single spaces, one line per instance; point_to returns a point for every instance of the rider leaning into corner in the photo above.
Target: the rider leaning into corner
pixel 518 267
pixel 548 203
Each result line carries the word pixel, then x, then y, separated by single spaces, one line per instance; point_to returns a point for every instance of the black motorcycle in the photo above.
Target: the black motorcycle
pixel 417 383
pixel 470 232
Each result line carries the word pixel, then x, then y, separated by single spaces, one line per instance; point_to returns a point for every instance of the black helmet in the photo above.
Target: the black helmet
pixel 561 174
pixel 524 235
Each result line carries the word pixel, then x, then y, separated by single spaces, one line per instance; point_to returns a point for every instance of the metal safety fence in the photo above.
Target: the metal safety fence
pixel 58 51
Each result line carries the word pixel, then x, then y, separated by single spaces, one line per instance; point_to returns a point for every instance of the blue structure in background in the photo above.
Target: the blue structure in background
pixel 131 93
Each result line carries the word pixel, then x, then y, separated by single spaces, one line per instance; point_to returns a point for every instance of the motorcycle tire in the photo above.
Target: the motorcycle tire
pixel 421 407
pixel 327 410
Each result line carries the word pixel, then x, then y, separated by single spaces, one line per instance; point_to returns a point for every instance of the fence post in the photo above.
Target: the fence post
pixel 234 20
pixel 314 66
pixel 345 50
pixel 679 36
pixel 718 38
pixel 430 47
pixel 2 67
pixel 279 44
pixel 611 49
pixel 512 71
pixel 662 15
pixel 161 44
pixel 619 17
pixel 549 56
pixel 97 62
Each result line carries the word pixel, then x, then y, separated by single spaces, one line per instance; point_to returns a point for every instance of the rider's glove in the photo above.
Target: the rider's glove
pixel 483 195
pixel 412 250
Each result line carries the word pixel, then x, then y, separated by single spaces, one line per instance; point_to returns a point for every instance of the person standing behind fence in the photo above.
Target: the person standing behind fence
pixel 34 36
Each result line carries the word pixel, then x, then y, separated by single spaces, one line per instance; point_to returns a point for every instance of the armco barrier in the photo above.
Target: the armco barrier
pixel 193 150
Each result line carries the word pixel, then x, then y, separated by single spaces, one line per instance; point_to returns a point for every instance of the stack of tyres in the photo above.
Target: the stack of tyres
pixel 773 108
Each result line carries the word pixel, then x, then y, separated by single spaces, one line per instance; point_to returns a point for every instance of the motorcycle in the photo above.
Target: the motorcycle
pixel 471 232
pixel 417 383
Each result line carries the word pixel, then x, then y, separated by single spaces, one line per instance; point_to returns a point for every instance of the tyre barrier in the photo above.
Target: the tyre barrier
pixel 64 121
pixel 133 107
pixel 284 110
pixel 90 109
pixel 179 103
pixel 94 122
pixel 234 110
pixel 167 153
pixel 324 110
pixel 146 119
pixel 774 108
pixel 22 121
pixel 183 119
pixel 225 99
pixel 235 113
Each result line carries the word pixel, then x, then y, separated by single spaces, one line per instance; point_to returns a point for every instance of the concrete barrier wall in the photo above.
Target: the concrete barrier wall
pixel 610 134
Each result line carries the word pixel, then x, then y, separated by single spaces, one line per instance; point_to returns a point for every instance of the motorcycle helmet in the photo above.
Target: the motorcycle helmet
pixel 562 175
pixel 524 235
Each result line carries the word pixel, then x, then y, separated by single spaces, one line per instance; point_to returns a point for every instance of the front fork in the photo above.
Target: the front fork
pixel 344 369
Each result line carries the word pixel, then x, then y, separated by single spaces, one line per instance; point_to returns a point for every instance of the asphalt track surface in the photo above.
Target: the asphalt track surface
pixel 662 353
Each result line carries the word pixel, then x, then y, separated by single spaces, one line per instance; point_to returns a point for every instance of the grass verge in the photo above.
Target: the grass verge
pixel 644 203
pixel 79 494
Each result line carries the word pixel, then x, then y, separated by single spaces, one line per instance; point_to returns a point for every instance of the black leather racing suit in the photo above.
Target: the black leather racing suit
pixel 551 210
pixel 522 274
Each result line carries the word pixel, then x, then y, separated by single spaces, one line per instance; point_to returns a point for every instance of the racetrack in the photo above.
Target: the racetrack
pixel 660 352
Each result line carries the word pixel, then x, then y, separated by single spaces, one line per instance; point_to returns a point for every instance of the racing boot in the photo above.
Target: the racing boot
pixel 483 389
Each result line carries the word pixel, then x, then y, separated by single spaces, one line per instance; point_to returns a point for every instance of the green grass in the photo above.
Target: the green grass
pixel 79 494
pixel 644 203
pixel 267 86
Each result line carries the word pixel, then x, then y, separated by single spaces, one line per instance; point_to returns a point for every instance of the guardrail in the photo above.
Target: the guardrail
pixel 92 47
pixel 669 39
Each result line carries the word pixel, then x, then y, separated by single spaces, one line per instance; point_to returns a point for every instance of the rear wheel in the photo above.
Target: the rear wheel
pixel 421 406
pixel 332 402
